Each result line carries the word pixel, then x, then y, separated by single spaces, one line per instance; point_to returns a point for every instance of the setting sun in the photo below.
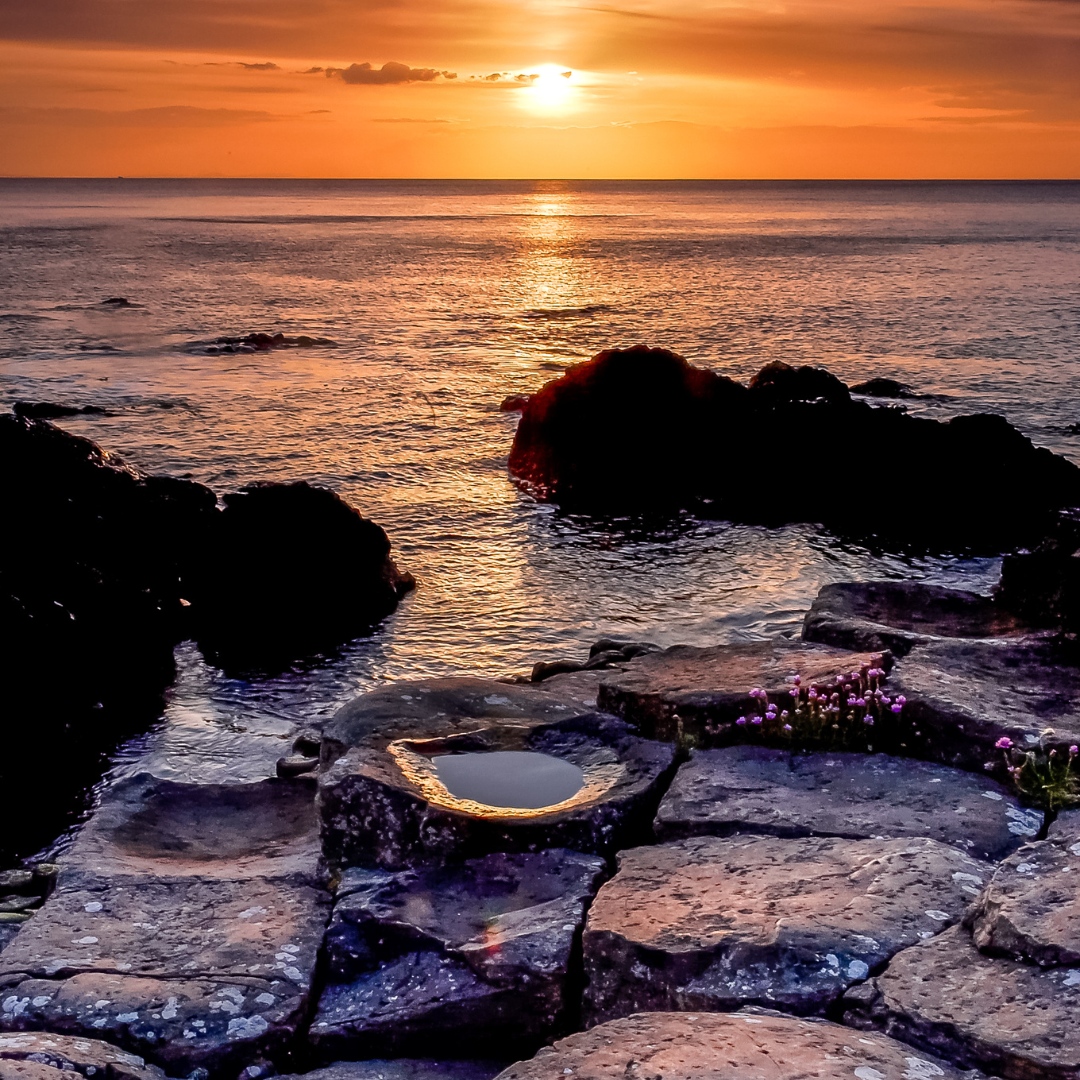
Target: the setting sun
pixel 552 89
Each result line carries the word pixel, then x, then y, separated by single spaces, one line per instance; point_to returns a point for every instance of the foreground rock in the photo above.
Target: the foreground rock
pixel 477 954
pixel 695 436
pixel 384 800
pixel 403 1069
pixel 754 789
pixel 1009 1019
pixel 763 1046
pixel 1031 908
pixel 36 1056
pixel 897 615
pixel 701 692
pixel 963 696
pixel 1044 583
pixel 715 924
pixel 185 926
pixel 291 568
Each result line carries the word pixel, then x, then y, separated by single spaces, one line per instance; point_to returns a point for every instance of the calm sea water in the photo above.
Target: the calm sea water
pixel 445 297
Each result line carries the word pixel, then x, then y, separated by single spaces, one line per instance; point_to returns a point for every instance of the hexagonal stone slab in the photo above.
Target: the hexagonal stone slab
pixel 962 696
pixel 1031 908
pixel 1007 1018
pixel 715 924
pixel 897 615
pixel 754 789
pixel 685 688
pixel 185 925
pixel 384 802
pixel 719 1046
pixel 473 954
pixel 60 1056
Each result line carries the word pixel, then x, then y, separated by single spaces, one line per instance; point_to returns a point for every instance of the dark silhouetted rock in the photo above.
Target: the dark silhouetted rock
pixel 117 302
pixel 753 1044
pixel 475 954
pixel 715 924
pixel 61 1057
pixel 641 429
pixel 963 696
pixel 683 689
pixel 185 926
pixel 897 615
pixel 382 800
pixel 754 789
pixel 1031 908
pixel 1043 585
pixel 290 568
pixel 882 388
pixel 514 402
pixel 263 342
pixel 1007 1018
pixel 50 410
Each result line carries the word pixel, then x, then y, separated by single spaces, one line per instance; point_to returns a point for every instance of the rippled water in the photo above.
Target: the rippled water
pixel 445 297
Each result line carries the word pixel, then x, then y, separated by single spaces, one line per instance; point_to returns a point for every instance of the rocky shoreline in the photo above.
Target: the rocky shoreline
pixel 865 910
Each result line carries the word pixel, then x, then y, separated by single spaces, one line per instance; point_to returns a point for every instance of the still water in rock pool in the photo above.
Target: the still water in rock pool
pixel 415 308
pixel 521 779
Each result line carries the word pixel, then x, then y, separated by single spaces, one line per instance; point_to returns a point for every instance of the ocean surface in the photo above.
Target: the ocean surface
pixel 443 297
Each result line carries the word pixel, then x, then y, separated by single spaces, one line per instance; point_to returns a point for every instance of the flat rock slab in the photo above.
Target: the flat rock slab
pixel 1031 908
pixel 185 926
pixel 403 1069
pixel 1009 1019
pixel 897 615
pixel 478 953
pixel 60 1056
pixel 720 1046
pixel 754 789
pixel 963 696
pixel 684 688
pixel 715 924
pixel 383 802
pixel 1065 828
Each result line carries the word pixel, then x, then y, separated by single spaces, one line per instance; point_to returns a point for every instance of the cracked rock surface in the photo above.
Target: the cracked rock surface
pixel 43 1056
pixel 185 926
pixel 755 789
pixel 1031 908
pixel 725 1046
pixel 477 954
pixel 1008 1018
pixel 403 1069
pixel 711 685
pixel 713 924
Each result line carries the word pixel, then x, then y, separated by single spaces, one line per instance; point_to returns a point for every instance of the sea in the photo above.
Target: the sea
pixel 438 299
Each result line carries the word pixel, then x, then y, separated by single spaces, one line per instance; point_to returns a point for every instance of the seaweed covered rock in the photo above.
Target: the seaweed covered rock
pixel 290 568
pixel 640 429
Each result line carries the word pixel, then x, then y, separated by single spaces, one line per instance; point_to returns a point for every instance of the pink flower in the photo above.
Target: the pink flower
pixel 787 727
pixel 900 699
pixel 861 702
pixel 797 679
pixel 741 720
pixel 755 719
pixel 1074 750
pixel 1004 743
pixel 897 708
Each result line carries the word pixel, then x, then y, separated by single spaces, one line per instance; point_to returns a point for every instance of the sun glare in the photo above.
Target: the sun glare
pixel 551 90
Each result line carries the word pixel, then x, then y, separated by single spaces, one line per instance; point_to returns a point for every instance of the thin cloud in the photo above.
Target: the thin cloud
pixel 266 66
pixel 390 74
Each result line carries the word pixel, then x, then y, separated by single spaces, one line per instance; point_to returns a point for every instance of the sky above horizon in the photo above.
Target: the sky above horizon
pixel 523 88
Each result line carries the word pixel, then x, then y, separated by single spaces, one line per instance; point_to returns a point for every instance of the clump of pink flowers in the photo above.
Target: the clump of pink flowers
pixel 1045 773
pixel 842 712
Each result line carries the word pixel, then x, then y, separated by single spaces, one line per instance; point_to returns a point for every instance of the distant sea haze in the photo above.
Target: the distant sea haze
pixel 411 309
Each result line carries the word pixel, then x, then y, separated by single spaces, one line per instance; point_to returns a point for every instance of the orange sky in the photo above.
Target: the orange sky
pixel 658 88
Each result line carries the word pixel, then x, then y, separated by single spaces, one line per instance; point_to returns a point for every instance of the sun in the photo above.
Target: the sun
pixel 551 89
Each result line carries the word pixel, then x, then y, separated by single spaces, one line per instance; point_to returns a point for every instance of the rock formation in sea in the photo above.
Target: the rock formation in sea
pixel 642 429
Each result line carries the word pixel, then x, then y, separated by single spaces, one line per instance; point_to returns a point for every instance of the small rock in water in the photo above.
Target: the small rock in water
pixel 882 388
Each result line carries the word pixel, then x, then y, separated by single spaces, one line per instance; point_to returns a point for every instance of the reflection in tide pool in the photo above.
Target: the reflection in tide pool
pixel 445 297
pixel 521 779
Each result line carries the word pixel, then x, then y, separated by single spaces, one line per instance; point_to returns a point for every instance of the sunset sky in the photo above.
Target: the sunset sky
pixel 523 88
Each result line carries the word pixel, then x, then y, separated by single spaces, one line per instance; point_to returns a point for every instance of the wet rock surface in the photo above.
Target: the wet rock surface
pixel 1008 1018
pixel 383 803
pixel 716 924
pixel 185 926
pixel 963 696
pixel 720 1046
pixel 1030 910
pixel 684 426
pixel 60 1056
pixel 475 954
pixel 897 615
pixel 755 789
pixel 686 689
